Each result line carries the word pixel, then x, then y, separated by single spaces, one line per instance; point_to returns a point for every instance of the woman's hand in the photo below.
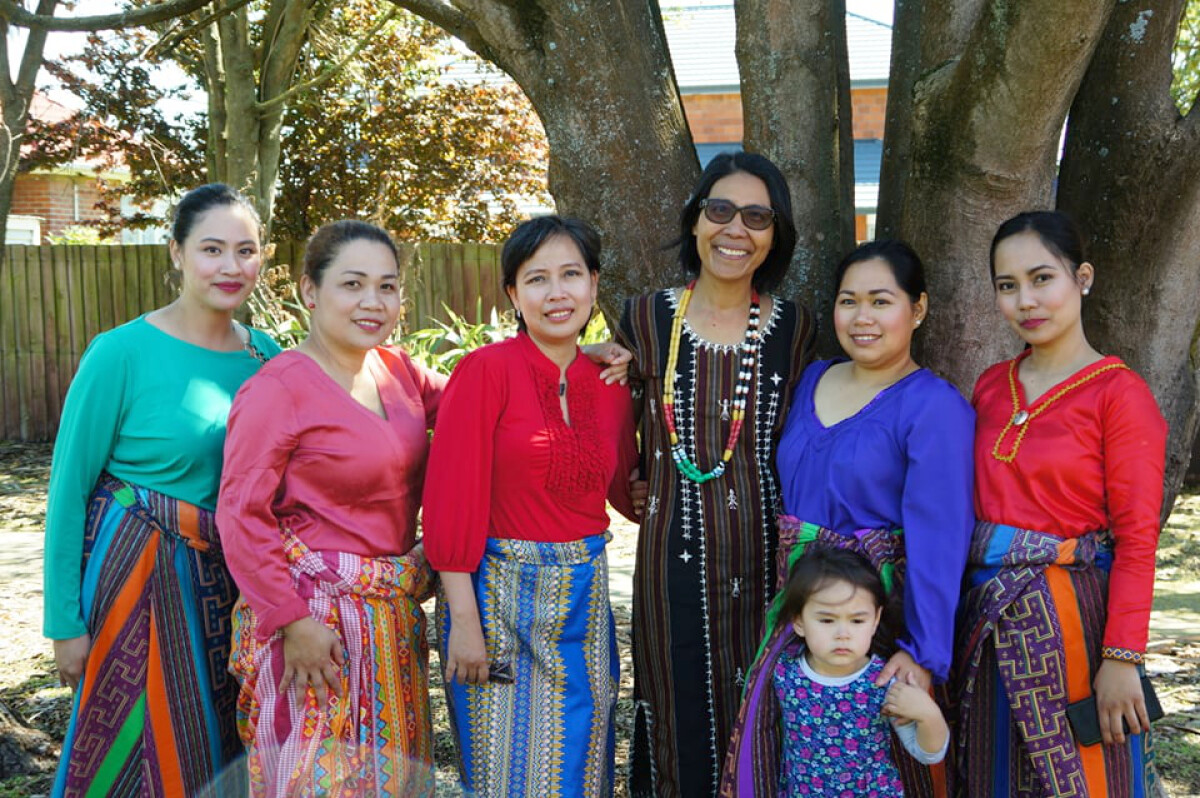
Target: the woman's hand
pixel 466 654
pixel 313 656
pixel 466 651
pixel 70 657
pixel 639 493
pixel 1119 698
pixel 901 667
pixel 612 354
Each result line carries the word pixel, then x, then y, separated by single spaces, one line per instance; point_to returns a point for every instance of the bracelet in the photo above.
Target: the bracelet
pixel 1122 655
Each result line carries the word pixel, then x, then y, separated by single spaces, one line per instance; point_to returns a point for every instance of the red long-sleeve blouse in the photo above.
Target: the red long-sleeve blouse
pixel 1092 459
pixel 303 453
pixel 504 464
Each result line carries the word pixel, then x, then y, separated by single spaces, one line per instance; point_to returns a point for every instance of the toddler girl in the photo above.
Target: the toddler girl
pixel 819 676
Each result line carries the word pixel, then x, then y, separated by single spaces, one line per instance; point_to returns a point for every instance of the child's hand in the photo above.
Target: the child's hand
pixel 909 703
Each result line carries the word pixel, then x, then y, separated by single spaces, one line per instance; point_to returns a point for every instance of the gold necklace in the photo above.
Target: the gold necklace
pixel 1022 418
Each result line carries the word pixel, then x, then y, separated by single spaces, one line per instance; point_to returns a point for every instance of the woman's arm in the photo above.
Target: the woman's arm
pixel 466 654
pixel 457 498
pixel 87 433
pixel 1134 456
pixel 937 513
pixel 261 438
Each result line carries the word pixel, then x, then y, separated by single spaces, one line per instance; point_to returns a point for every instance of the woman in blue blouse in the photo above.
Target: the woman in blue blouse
pixel 876 456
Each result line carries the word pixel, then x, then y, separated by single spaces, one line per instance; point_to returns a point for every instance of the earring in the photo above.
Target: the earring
pixel 312 305
pixel 918 324
pixel 1087 290
pixel 518 312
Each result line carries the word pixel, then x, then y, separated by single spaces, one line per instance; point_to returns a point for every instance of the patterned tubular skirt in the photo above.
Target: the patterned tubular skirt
pixel 752 764
pixel 546 729
pixel 153 715
pixel 1030 632
pixel 375 739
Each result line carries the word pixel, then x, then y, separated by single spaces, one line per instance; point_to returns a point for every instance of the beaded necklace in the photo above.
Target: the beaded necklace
pixel 1021 418
pixel 741 390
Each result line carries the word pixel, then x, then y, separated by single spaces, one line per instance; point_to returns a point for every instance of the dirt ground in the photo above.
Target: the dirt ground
pixel 31 697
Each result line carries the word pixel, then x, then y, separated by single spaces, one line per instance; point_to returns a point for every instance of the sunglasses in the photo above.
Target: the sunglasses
pixel 719 211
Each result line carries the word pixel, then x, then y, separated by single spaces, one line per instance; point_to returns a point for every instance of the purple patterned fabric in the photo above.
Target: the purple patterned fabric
pixel 1011 615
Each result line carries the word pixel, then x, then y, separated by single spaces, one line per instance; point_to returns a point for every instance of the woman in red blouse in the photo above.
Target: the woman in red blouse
pixel 529 443
pixel 1069 454
pixel 324 461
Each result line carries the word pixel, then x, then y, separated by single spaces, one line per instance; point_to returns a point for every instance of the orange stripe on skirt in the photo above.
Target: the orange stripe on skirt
pixel 1078 672
pixel 122 607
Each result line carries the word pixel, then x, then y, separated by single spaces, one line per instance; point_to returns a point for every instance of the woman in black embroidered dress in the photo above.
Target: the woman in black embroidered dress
pixel 729 358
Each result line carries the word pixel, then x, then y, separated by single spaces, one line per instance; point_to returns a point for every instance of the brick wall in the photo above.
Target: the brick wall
pixel 714 118
pixel 55 198
pixel 717 118
pixel 870 106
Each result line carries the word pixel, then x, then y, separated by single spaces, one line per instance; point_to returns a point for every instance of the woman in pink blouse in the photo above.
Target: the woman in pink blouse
pixel 528 445
pixel 324 462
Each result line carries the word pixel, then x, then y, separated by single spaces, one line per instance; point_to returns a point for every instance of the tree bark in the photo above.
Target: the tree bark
pixel 973 130
pixel 15 98
pixel 795 80
pixel 600 77
pixel 1131 178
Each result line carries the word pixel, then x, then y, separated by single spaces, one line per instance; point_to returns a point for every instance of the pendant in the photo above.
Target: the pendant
pixel 1021 417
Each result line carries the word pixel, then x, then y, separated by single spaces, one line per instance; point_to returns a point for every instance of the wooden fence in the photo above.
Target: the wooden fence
pixel 55 299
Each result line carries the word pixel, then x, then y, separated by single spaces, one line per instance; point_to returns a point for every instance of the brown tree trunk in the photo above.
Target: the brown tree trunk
pixel 796 100
pixel 248 83
pixel 600 77
pixel 973 130
pixel 1131 178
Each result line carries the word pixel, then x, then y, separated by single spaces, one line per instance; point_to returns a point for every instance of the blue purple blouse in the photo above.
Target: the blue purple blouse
pixel 903 461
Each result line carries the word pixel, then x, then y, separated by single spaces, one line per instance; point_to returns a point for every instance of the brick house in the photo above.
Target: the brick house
pixel 701 39
pixel 47 201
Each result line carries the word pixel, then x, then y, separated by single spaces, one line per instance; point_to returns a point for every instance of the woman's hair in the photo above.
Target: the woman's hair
pixel 783 243
pixel 904 262
pixel 1054 229
pixel 323 245
pixel 202 199
pixel 821 566
pixel 529 236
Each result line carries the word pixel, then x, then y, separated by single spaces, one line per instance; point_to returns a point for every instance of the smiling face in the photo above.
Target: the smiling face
pixel 219 259
pixel 732 251
pixel 554 292
pixel 357 303
pixel 838 623
pixel 874 317
pixel 1038 292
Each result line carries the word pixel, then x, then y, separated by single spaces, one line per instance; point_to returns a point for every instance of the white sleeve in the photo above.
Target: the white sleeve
pixel 907 733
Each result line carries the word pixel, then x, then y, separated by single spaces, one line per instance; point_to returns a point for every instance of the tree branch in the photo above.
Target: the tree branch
pixel 449 19
pixel 31 59
pixel 329 72
pixel 170 39
pixel 147 15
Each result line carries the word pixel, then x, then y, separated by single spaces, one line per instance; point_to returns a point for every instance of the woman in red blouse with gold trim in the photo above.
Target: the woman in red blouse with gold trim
pixel 1069 455
pixel 529 443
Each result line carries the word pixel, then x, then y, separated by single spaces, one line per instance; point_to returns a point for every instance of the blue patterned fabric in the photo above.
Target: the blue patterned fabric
pixel 547 618
pixel 836 740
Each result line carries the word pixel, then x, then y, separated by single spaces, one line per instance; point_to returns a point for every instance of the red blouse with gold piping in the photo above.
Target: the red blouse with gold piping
pixel 504 464
pixel 1091 458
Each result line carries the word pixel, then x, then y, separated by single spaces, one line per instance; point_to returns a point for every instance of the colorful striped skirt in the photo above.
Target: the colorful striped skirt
pixel 154 712
pixel 376 739
pixel 1030 632
pixel 752 764
pixel 546 615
